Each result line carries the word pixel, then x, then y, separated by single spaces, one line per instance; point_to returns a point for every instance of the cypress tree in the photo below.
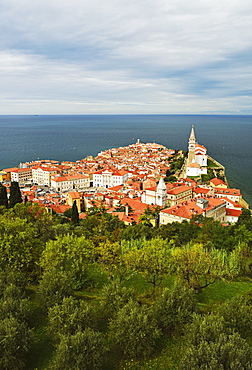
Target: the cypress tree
pixel 3 196
pixel 75 214
pixel 15 194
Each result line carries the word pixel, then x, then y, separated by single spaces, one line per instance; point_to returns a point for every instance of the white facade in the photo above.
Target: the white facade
pixel 43 175
pixel 21 175
pixel 66 183
pixel 108 178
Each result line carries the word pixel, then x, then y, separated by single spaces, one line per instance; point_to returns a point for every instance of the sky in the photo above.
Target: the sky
pixel 125 57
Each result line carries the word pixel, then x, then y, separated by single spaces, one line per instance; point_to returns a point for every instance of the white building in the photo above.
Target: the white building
pixel 21 175
pixel 197 157
pixel 42 175
pixel 109 178
pixel 156 195
pixel 70 182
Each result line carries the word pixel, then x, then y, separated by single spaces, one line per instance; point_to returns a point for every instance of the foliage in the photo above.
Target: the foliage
pixel 237 315
pixel 15 194
pixel 212 347
pixel 175 308
pixel 152 260
pixel 69 317
pixel 54 286
pixel 71 254
pixel 134 331
pixel 114 297
pixel 111 257
pixel 19 246
pixel 15 340
pixel 3 196
pixel 84 350
pixel 198 267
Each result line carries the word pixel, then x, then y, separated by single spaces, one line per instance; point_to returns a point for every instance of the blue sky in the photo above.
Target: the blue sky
pixel 126 56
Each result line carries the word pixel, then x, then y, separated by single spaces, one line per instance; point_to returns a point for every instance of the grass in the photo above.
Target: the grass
pixel 211 163
pixel 221 291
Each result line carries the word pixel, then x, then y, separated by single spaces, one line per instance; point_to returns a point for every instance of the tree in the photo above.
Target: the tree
pixel 237 315
pixel 110 256
pixel 15 340
pixel 75 214
pixel 134 331
pixel 54 286
pixel 69 317
pixel 175 308
pixel 198 267
pixel 15 194
pixel 113 298
pixel 210 346
pixel 19 245
pixel 151 260
pixel 71 254
pixel 84 350
pixel 3 196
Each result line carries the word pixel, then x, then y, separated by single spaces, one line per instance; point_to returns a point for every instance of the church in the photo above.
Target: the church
pixel 197 158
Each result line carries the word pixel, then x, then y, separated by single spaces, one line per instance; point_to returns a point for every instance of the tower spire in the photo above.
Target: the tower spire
pixel 191 146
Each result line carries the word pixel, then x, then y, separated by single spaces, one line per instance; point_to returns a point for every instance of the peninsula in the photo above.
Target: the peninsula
pixel 130 181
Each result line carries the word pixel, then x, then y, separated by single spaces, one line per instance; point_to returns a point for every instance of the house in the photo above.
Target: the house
pixel 42 175
pixel 21 175
pixel 207 207
pixel 109 178
pixel 179 194
pixel 217 183
pixel 69 182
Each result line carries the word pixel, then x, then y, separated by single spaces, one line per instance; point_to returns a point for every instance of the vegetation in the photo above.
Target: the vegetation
pixel 96 294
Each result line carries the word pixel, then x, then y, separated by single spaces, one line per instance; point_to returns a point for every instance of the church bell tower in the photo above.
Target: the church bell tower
pixel 191 146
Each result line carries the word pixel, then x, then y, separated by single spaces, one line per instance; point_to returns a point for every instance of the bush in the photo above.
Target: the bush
pixel 54 286
pixel 134 331
pixel 84 350
pixel 114 297
pixel 70 317
pixel 175 308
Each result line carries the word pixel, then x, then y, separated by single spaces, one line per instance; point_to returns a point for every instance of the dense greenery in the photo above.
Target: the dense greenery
pixel 96 294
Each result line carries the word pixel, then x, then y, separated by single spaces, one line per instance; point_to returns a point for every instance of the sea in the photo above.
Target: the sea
pixel 74 137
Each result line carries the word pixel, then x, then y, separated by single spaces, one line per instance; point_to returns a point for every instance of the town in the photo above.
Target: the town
pixel 143 182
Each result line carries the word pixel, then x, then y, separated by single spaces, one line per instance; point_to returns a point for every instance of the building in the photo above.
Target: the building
pixel 70 182
pixel 42 175
pixel 155 195
pixel 21 175
pixel 179 194
pixel 109 178
pixel 196 164
pixel 207 207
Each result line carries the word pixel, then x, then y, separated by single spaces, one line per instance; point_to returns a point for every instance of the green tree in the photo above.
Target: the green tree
pixel 198 267
pixel 134 331
pixel 3 196
pixel 15 194
pixel 69 317
pixel 209 346
pixel 237 315
pixel 71 254
pixel 151 260
pixel 15 341
pixel 75 214
pixel 114 297
pixel 84 350
pixel 54 286
pixel 20 247
pixel 175 308
pixel 110 256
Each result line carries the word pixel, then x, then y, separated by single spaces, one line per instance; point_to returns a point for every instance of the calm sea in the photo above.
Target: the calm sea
pixel 227 138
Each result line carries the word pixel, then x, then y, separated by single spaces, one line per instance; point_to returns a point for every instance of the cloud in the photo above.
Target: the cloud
pixel 153 57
